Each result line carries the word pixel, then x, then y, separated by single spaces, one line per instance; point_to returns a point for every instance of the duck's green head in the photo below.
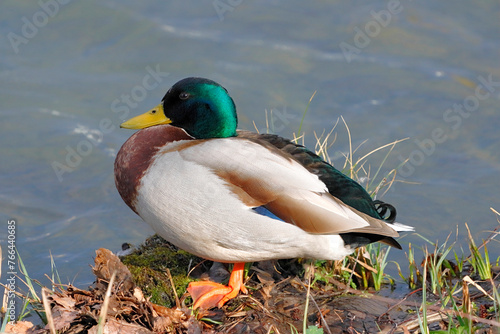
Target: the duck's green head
pixel 200 106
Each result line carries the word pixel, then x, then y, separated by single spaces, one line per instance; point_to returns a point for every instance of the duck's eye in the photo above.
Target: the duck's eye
pixel 183 96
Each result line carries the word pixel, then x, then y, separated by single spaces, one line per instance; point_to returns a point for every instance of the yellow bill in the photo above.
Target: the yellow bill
pixel 153 117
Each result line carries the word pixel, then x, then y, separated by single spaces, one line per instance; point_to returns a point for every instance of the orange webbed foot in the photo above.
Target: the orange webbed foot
pixel 208 294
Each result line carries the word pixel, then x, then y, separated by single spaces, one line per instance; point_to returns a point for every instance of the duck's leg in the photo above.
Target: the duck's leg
pixel 208 294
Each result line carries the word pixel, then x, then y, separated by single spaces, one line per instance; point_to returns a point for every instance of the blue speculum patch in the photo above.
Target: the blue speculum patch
pixel 265 212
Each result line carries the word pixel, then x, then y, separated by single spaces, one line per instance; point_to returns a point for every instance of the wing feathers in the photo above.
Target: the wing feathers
pixel 282 185
pixel 324 214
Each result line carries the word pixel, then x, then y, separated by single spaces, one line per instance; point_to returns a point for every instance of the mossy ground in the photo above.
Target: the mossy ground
pixel 150 264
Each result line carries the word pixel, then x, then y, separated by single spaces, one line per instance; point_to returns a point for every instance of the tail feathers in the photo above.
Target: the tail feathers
pixel 391 242
pixel 401 227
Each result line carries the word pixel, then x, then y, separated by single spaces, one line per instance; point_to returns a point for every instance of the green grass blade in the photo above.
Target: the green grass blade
pixel 53 270
pixel 28 282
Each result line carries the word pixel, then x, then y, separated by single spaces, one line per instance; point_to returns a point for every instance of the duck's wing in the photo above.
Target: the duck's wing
pixel 259 174
pixel 339 185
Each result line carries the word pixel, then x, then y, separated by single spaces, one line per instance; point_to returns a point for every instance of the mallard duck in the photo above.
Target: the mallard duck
pixel 235 196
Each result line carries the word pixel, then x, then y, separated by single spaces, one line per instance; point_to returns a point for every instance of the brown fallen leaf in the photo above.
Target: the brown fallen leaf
pixel 117 326
pixel 20 327
pixel 106 263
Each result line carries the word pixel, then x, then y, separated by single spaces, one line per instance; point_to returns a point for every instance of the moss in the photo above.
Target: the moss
pixel 149 263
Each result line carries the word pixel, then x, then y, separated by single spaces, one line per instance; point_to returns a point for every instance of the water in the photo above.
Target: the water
pixel 68 81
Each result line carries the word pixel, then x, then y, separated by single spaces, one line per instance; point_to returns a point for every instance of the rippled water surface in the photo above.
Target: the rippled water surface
pixel 71 72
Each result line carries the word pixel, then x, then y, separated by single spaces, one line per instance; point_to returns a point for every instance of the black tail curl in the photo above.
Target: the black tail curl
pixel 386 211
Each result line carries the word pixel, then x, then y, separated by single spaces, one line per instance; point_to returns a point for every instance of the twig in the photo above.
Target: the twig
pixel 177 301
pixel 105 305
pixel 48 313
pixel 467 279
